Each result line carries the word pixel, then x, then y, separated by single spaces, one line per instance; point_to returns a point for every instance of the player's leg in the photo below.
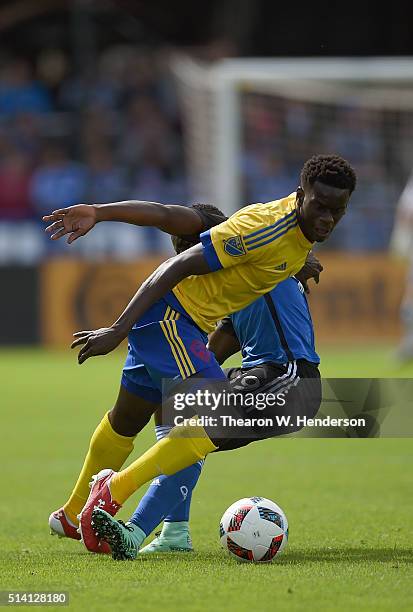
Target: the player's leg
pixel 169 499
pixel 166 494
pixel 294 391
pixel 405 349
pixel 184 446
pixel 111 443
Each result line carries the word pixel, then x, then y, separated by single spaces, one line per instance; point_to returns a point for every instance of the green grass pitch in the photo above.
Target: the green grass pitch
pixel 349 504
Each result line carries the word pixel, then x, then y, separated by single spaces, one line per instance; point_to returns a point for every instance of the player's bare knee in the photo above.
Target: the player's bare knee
pixel 130 413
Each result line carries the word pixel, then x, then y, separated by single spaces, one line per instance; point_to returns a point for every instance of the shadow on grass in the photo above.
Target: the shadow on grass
pixel 352 555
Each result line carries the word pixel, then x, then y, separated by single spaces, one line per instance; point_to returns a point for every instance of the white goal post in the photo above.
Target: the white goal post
pixel 336 101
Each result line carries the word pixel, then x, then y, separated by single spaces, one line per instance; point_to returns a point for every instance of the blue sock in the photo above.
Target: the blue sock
pixel 168 497
pixel 180 512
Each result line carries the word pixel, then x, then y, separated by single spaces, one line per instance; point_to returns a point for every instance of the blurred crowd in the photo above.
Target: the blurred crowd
pixel 67 138
pixel 70 136
pixel 279 133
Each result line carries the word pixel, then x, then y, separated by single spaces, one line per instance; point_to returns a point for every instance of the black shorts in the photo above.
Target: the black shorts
pixel 295 390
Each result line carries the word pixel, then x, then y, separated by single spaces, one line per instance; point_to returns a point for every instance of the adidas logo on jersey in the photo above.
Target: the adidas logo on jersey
pixel 281 267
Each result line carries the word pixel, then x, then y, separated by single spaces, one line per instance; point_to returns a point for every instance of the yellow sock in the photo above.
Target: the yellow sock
pixel 183 446
pixel 107 449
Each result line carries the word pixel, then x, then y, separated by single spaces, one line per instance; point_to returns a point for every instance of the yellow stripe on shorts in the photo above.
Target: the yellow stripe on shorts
pixel 177 340
pixel 170 313
pixel 184 369
pixel 185 352
pixel 175 349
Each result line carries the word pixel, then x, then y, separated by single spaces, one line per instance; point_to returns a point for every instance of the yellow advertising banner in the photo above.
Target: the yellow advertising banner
pixel 78 295
pixel 357 299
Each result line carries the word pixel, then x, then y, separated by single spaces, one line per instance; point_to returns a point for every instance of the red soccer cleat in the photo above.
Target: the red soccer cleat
pixel 99 497
pixel 61 526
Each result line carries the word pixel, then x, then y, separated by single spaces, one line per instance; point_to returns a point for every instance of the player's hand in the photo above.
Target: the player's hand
pixel 75 220
pixel 97 342
pixel 311 269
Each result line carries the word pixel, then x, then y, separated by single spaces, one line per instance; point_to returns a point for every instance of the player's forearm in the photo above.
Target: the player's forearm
pixel 130 211
pixel 222 357
pixel 173 219
pixel 165 278
pixel 223 345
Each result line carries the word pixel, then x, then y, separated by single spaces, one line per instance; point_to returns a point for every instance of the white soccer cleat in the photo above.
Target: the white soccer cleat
pixel 61 526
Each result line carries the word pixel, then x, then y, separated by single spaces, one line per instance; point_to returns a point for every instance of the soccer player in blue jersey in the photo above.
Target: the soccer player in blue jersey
pixel 170 315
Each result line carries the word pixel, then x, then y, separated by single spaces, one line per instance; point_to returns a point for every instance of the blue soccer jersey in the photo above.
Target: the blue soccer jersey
pixel 277 327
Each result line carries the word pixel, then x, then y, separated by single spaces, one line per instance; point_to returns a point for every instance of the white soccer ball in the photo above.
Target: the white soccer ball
pixel 254 529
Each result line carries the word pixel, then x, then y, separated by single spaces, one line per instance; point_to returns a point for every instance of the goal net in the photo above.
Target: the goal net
pixel 250 124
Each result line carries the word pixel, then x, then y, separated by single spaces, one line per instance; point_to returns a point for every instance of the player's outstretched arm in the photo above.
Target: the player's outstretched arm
pixel 78 220
pixel 165 278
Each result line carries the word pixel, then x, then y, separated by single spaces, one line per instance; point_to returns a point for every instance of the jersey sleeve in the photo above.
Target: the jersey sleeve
pixel 246 236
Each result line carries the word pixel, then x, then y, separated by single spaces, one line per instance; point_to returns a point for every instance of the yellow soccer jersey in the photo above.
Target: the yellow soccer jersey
pixel 250 253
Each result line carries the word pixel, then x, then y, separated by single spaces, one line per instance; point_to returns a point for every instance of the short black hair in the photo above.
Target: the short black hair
pixel 331 170
pixel 210 215
pixel 209 208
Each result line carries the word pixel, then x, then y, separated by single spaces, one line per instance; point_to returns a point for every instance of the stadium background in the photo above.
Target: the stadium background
pixel 90 112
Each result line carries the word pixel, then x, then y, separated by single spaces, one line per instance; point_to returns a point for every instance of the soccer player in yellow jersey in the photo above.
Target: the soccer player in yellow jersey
pixel 170 315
